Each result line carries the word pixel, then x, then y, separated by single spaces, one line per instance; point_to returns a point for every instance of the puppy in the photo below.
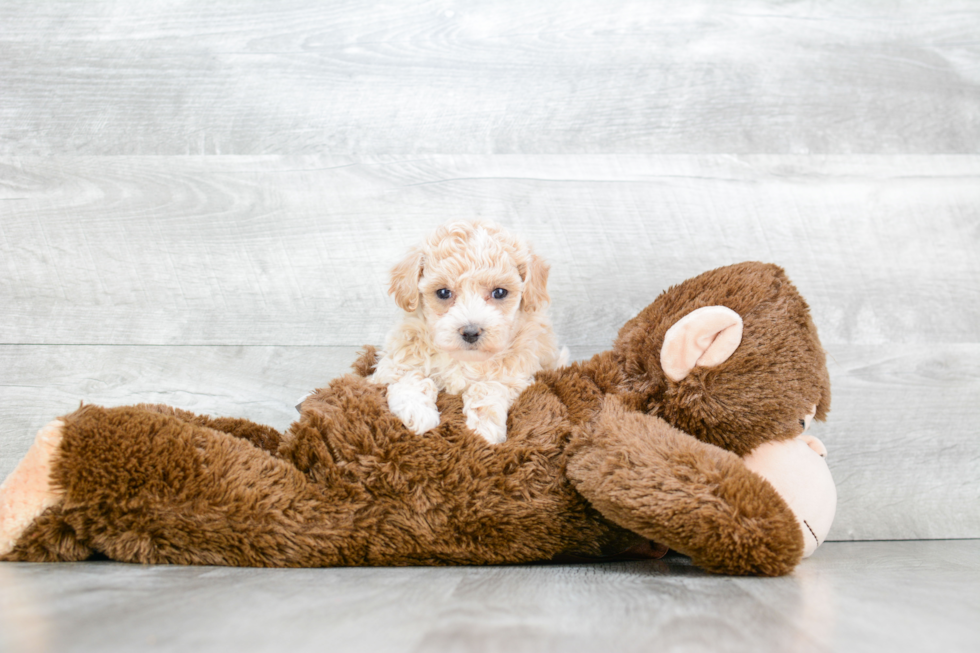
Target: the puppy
pixel 475 324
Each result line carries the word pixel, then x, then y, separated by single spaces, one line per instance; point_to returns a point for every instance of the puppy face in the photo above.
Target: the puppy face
pixel 471 313
pixel 470 283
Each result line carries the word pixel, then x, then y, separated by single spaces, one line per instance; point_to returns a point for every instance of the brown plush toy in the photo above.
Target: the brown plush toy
pixel 642 442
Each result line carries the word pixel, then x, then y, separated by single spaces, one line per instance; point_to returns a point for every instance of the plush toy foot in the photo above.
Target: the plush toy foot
pixel 27 492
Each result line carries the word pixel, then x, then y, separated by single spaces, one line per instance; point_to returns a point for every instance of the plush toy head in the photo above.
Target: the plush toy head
pixel 730 356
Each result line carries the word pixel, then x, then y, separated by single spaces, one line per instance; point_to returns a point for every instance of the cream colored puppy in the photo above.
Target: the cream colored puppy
pixel 475 324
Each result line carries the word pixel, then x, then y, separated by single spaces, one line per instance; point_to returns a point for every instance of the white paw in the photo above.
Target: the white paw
pixel 418 419
pixel 27 493
pixel 416 410
pixel 487 424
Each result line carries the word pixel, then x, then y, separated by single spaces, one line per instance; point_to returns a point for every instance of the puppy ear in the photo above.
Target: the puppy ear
pixel 535 275
pixel 705 337
pixel 405 280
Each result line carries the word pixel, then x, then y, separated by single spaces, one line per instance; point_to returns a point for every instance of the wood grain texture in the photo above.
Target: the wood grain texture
pixel 903 441
pixel 295 250
pixel 854 597
pixel 199 202
pixel 902 432
pixel 263 384
pixel 591 76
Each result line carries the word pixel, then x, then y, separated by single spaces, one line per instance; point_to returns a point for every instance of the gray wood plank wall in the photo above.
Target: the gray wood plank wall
pixel 199 201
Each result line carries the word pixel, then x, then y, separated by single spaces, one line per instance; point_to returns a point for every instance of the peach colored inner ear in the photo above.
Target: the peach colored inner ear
pixel 705 337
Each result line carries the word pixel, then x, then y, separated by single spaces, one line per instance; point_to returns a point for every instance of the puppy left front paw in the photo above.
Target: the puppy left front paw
pixel 417 418
pixel 485 421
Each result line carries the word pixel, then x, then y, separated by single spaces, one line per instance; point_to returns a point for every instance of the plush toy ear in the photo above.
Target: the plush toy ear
pixel 405 281
pixel 705 337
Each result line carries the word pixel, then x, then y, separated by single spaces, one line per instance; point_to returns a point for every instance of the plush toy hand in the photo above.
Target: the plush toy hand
pixel 694 497
pixel 798 470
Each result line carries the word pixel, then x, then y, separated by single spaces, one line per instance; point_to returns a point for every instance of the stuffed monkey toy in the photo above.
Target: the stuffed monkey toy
pixel 689 432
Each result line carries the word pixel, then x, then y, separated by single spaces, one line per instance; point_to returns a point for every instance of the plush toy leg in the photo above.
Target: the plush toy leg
pixel 263 437
pixel 691 496
pixel 142 485
pixel 28 491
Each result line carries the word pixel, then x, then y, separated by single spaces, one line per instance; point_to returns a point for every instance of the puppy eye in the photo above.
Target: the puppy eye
pixel 498 293
pixel 444 293
pixel 803 423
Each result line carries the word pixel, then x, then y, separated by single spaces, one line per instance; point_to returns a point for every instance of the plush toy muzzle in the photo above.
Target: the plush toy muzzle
pixel 798 470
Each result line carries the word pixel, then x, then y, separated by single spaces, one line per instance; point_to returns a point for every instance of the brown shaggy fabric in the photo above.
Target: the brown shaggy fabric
pixel 599 457
pixel 660 482
pixel 777 374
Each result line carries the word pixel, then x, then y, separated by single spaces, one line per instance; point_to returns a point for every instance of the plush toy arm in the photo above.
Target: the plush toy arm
pixel 696 498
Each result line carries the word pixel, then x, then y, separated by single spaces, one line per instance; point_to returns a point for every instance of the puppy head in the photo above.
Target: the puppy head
pixel 471 283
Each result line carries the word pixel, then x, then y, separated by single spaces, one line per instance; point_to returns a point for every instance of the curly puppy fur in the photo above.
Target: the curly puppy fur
pixel 475 299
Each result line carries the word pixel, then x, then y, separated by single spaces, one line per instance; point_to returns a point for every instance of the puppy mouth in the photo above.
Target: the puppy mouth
pixel 471 355
pixel 472 344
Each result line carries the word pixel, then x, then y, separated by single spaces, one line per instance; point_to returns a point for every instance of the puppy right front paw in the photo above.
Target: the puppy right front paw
pixel 417 410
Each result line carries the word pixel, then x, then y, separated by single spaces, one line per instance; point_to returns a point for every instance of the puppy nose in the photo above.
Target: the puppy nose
pixel 471 333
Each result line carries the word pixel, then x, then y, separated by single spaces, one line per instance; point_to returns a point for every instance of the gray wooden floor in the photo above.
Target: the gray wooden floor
pixel 199 202
pixel 850 596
